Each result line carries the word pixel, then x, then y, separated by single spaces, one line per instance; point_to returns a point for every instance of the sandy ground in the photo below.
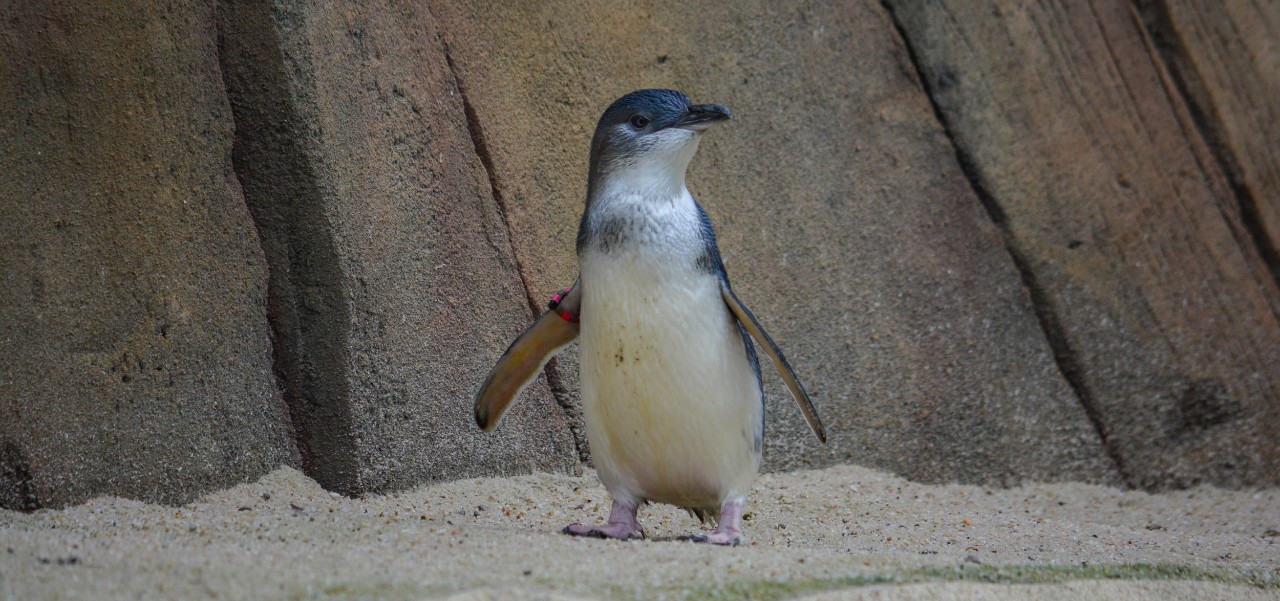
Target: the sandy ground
pixel 839 533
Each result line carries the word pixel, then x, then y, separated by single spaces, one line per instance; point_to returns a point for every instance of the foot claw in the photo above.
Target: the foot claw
pixel 721 538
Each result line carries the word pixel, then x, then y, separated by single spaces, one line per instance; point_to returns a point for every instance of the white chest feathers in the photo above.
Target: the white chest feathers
pixel 672 406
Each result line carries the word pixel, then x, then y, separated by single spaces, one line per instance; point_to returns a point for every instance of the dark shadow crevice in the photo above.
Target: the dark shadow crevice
pixel 1066 358
pixel 17 485
pixel 306 310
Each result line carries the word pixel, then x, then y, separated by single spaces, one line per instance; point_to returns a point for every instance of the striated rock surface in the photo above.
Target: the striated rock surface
pixel 845 221
pixel 1159 304
pixel 133 311
pixel 393 288
pixel 1224 59
pixel 999 242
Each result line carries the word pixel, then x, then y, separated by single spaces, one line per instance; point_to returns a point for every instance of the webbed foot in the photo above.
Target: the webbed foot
pixel 728 530
pixel 622 525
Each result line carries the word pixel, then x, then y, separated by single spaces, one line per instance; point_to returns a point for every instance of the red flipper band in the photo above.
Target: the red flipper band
pixel 555 301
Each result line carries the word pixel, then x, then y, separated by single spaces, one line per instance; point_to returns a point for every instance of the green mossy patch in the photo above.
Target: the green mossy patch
pixel 769 590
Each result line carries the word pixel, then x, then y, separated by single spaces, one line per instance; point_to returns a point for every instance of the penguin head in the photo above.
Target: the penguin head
pixel 650 135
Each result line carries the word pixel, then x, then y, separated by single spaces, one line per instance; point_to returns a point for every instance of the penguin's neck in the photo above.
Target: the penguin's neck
pixel 643 179
pixel 641 205
pixel 636 217
pixel 655 174
pixel 641 198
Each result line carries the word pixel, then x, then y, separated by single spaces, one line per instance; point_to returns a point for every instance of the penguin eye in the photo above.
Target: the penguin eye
pixel 639 121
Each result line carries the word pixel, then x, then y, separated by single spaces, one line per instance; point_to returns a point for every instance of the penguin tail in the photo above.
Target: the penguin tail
pixel 706 515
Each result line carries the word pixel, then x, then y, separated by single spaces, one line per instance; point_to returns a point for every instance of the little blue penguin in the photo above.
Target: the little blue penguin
pixel 671 390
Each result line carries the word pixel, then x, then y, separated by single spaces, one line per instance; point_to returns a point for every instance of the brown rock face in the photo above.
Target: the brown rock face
pixel 393 287
pixel 1164 314
pixel 844 220
pixel 132 316
pixel 1223 59
pixel 998 242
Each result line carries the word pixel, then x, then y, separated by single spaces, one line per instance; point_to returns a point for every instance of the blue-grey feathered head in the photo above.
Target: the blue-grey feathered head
pixel 653 129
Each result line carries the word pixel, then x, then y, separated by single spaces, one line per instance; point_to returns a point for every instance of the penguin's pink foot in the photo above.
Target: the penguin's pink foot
pixel 729 529
pixel 622 525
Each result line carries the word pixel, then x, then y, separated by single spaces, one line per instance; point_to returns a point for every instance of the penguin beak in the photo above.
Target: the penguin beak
pixel 701 117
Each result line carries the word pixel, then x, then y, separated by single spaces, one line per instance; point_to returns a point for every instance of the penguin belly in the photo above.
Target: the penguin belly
pixel 672 406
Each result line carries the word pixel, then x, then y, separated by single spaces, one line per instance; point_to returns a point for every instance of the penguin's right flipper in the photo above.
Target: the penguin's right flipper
pixel 753 327
pixel 531 350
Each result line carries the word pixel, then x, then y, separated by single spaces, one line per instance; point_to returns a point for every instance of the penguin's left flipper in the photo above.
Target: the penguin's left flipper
pixel 526 356
pixel 762 338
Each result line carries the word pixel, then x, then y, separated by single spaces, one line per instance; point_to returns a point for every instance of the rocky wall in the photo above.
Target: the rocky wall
pixel 998 242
